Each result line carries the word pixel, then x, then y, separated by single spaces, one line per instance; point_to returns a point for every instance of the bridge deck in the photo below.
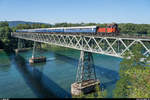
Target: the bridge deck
pixel 121 35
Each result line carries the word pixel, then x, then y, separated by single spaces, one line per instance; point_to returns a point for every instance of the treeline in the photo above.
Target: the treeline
pixel 130 28
pixel 8 43
pixel 127 28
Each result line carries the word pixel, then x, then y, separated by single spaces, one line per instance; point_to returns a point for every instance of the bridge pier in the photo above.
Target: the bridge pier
pixel 36 59
pixel 20 46
pixel 86 77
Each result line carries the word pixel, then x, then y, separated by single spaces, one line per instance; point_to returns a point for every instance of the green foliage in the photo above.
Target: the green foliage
pixel 134 75
pixel 5 36
pixel 148 31
pixel 31 26
pixel 130 28
pixel 3 24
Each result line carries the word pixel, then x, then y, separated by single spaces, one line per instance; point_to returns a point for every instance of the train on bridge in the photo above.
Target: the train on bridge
pixel 110 29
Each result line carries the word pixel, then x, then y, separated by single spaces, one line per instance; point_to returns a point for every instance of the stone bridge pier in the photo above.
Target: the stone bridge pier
pixel 86 77
pixel 35 59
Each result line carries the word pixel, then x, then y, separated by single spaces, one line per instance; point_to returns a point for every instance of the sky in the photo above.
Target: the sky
pixel 76 11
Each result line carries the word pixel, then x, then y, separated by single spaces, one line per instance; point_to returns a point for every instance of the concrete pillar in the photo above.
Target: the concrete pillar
pixel 34 47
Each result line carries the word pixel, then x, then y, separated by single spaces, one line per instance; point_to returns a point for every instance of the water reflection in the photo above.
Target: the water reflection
pixel 53 78
pixel 40 84
pixel 109 74
pixel 5 61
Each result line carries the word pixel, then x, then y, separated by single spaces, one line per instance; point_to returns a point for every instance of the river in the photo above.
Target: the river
pixel 19 79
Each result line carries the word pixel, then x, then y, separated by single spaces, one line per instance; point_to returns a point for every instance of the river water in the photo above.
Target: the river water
pixel 19 79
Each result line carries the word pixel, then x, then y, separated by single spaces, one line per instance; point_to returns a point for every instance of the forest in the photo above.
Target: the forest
pixel 9 43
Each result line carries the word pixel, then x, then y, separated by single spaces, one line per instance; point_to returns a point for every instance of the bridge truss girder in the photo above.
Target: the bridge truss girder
pixel 112 46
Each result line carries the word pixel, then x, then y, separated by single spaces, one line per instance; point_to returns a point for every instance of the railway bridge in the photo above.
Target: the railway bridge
pixel 108 45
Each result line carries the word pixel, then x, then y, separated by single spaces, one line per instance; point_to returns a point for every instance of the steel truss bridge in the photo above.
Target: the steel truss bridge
pixel 88 44
pixel 112 46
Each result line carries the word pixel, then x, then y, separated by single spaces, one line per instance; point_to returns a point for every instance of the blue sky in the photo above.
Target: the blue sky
pixel 76 11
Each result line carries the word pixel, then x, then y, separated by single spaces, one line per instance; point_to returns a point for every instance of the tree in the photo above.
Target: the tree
pixel 2 24
pixel 134 75
pixel 148 31
pixel 5 36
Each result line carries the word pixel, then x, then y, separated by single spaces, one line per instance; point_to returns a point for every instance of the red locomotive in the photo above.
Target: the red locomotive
pixel 110 29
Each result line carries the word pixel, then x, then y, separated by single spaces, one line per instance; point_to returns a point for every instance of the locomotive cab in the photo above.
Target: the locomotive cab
pixel 108 30
pixel 112 28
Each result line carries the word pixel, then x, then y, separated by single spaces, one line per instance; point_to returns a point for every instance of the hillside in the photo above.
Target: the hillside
pixel 15 23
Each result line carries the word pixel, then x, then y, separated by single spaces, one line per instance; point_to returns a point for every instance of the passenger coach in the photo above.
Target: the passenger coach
pixel 109 30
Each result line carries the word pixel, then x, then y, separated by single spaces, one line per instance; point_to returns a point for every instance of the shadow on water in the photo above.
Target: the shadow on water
pixel 39 83
pixel 100 71
pixel 5 61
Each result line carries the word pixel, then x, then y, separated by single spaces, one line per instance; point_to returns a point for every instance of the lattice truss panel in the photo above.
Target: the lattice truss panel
pixel 86 69
pixel 112 46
